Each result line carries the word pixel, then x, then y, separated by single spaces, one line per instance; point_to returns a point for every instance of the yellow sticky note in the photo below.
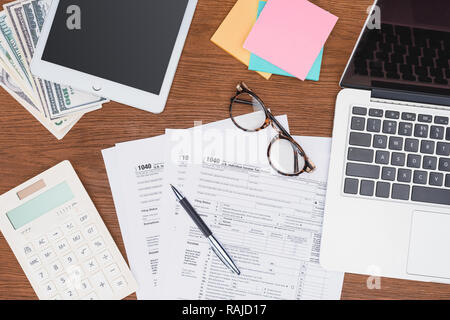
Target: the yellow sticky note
pixel 234 30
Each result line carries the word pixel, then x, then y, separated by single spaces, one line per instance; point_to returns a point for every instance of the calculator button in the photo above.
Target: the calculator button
pixel 62 281
pixel 34 262
pixel 105 258
pixel 101 285
pixel 91 231
pixel 56 268
pixel 69 226
pixel 69 259
pixel 41 242
pixel 112 271
pixel 83 252
pixel 49 289
pixel 42 275
pixel 28 249
pixel 55 235
pixel 69 294
pixel 62 246
pixel 48 254
pixel 82 218
pixel 98 244
pixel 76 238
pixel 75 274
pixel 119 284
pixel 91 296
pixel 84 287
pixel 91 265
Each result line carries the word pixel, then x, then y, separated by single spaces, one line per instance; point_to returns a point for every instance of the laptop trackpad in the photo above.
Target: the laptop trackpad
pixel 429 245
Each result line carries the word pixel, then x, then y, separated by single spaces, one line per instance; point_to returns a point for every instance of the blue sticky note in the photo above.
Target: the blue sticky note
pixel 259 64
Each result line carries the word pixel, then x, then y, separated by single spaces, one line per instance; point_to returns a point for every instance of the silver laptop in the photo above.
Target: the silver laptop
pixel 388 200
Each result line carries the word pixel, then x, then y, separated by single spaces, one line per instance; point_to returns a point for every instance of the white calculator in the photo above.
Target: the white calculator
pixel 60 240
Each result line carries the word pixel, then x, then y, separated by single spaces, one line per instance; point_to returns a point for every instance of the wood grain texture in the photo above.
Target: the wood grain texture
pixel 203 84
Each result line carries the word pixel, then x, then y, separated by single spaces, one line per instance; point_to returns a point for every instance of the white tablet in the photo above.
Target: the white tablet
pixel 125 50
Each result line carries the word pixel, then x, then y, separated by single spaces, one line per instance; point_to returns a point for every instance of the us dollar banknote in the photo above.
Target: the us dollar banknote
pixel 27 18
pixel 59 128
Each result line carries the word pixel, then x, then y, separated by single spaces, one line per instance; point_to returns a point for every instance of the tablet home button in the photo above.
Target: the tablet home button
pixel 96 88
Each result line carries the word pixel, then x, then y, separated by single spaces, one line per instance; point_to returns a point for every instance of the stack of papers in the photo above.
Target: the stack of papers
pixel 269 224
pixel 57 107
pixel 284 37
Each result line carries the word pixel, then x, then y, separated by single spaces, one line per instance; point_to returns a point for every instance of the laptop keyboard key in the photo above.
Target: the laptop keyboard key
pixel 360 139
pixel 444 164
pixel 359 111
pixel 404 175
pixel 447 180
pixel 427 147
pixel 413 161
pixel 363 170
pixel 400 191
pixel 437 132
pixel 425 118
pixel 408 116
pixel 383 189
pixel 351 186
pixel 421 130
pixel 395 143
pixel 436 179
pixel 409 77
pixel 389 127
pixel 392 114
pixel 443 149
pixel 382 157
pixel 447 134
pixel 376 113
pixel 388 173
pixel 411 145
pixel 425 79
pixel 398 159
pixel 379 141
pixel 405 129
pixel 361 155
pixel 367 188
pixel 441 120
pixel 431 195
pixel 373 125
pixel 420 177
pixel 358 123
pixel 429 163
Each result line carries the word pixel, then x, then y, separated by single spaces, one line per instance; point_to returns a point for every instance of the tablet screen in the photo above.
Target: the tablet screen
pixel 126 41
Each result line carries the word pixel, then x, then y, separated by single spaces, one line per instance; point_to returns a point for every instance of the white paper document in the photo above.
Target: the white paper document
pixel 135 172
pixel 269 224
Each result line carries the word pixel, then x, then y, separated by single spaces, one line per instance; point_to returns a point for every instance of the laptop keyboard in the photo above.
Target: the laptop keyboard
pixel 404 53
pixel 398 155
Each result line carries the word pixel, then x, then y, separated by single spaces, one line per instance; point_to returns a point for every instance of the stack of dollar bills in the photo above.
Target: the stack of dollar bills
pixel 57 107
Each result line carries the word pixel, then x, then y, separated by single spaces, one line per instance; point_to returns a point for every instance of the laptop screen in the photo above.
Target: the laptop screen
pixel 404 46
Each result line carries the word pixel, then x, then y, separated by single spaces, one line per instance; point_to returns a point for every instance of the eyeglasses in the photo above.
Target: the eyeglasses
pixel 285 155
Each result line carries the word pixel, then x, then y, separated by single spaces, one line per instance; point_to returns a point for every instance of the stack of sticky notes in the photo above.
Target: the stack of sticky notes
pixel 283 37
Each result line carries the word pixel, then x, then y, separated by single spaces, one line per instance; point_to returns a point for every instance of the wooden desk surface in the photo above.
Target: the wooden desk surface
pixel 205 80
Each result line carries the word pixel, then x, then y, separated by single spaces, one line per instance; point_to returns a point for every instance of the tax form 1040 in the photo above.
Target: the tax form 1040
pixel 271 225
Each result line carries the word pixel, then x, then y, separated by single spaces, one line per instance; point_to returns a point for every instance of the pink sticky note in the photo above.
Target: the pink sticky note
pixel 290 34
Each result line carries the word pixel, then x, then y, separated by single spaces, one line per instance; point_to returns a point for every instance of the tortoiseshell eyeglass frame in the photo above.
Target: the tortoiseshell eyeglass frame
pixel 282 132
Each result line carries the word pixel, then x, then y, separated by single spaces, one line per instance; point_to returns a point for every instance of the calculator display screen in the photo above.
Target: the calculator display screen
pixel 40 205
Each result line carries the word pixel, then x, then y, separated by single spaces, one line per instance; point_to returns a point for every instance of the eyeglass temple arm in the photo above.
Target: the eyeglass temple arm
pixel 295 159
pixel 282 129
pixel 250 103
